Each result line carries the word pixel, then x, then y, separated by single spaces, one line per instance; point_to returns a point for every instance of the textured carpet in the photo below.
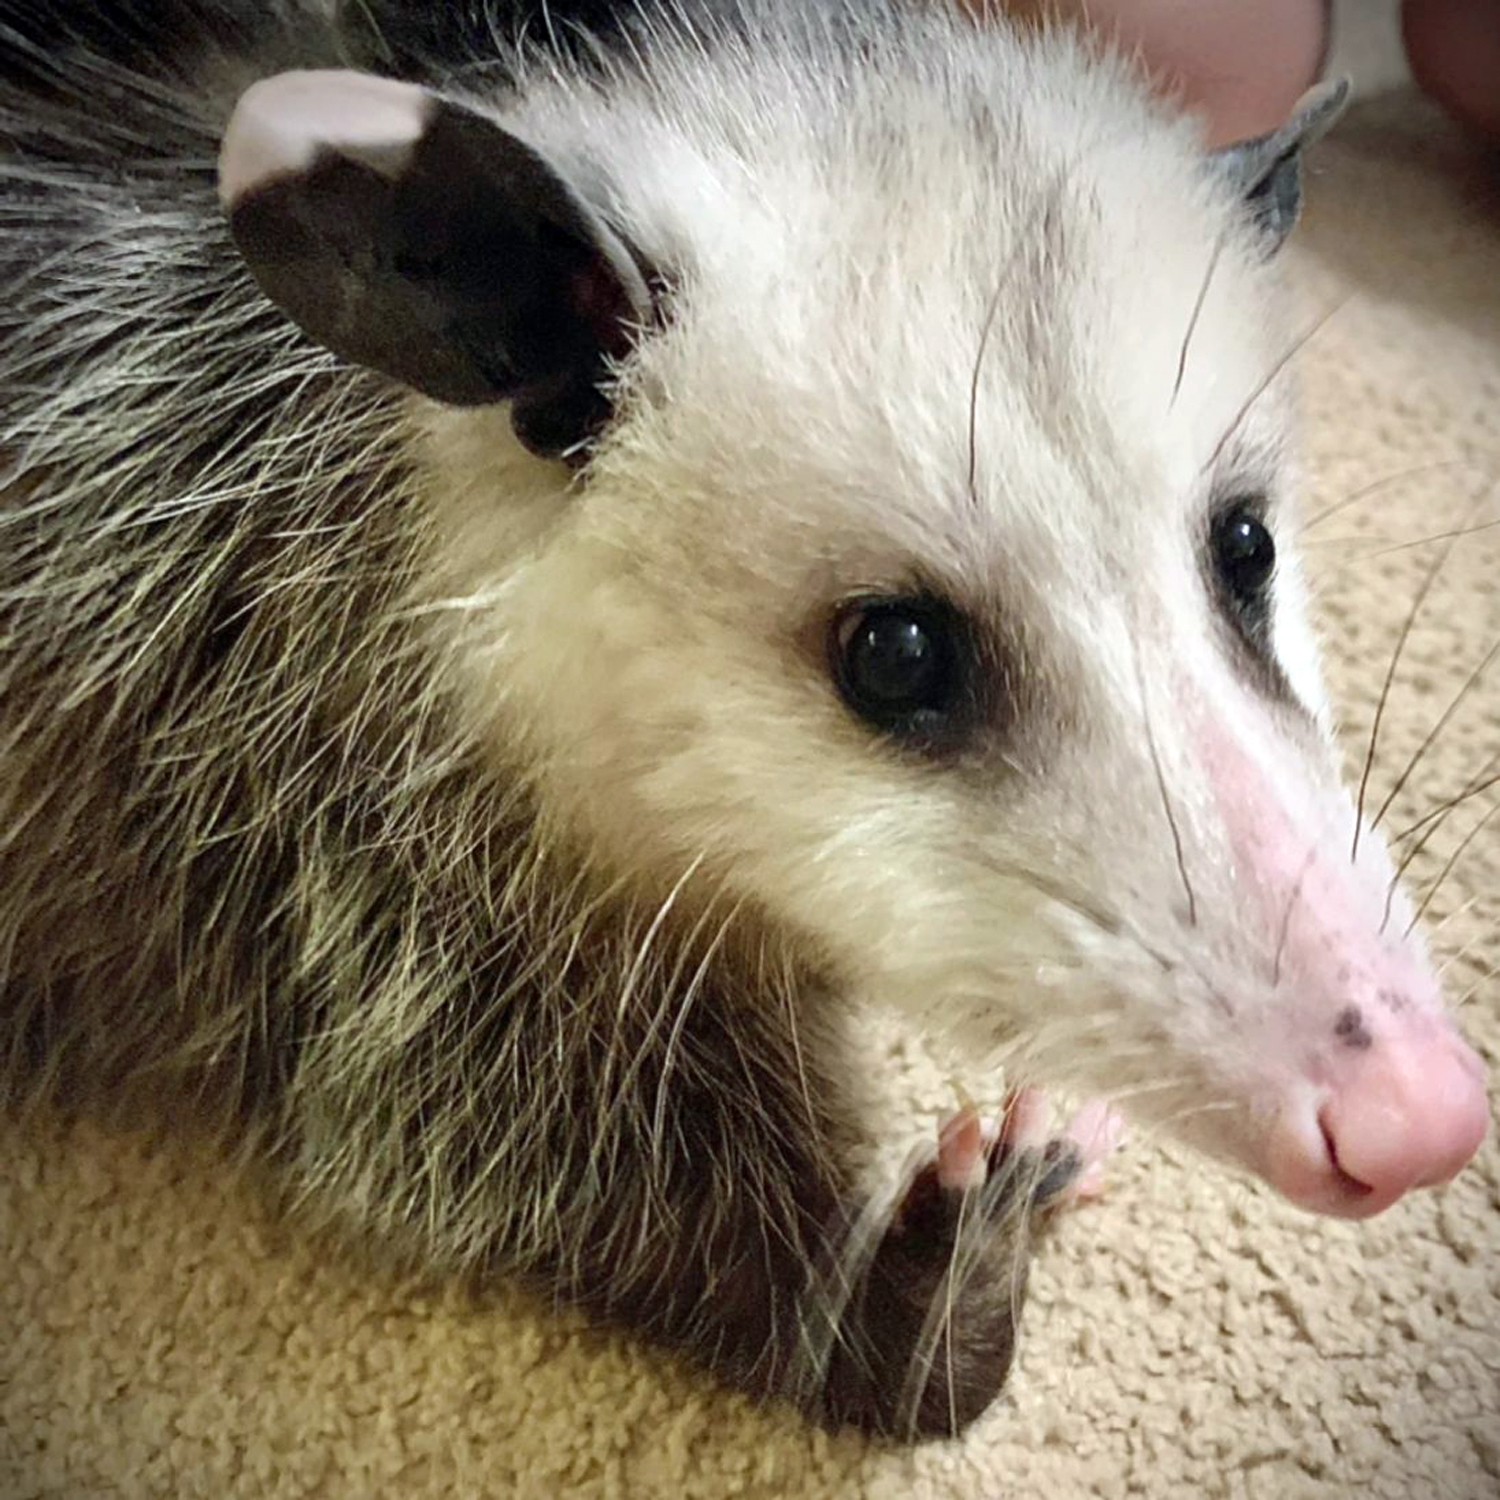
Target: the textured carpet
pixel 1187 1337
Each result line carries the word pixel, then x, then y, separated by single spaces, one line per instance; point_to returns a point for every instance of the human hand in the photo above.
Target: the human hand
pixel 1243 64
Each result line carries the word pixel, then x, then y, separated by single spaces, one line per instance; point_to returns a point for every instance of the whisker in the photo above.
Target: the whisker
pixel 1160 1086
pixel 1110 923
pixel 1352 559
pixel 1161 786
pixel 1478 985
pixel 1436 929
pixel 1300 343
pixel 1454 959
pixel 1385 691
pixel 1187 338
pixel 1188 1111
pixel 984 341
pixel 1437 536
pixel 1473 789
pixel 1432 734
pixel 1151 1133
pixel 1380 484
pixel 1291 902
pixel 1012 260
pixel 1407 859
pixel 947 1319
pixel 1447 869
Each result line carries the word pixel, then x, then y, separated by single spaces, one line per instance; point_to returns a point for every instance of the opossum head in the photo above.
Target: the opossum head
pixel 918 570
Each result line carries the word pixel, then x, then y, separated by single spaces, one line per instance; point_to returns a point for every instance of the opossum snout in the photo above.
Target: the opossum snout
pixel 1378 1093
pixel 1405 1111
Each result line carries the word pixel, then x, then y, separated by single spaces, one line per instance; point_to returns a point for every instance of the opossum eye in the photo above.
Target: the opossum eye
pixel 896 664
pixel 1244 558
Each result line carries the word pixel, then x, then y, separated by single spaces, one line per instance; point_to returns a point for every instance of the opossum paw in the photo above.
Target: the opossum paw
pixel 1051 1169
pixel 931 1330
pixel 1094 1133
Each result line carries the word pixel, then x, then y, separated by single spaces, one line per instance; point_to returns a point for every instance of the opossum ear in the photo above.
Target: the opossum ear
pixel 1267 170
pixel 419 238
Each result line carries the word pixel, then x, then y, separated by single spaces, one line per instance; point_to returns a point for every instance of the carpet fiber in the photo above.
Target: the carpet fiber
pixel 1189 1336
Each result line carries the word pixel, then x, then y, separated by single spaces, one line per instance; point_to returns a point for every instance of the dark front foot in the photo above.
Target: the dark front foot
pixel 929 1330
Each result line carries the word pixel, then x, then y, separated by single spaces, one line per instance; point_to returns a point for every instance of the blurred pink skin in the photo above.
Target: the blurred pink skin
pixel 1243 64
pixel 1454 49
pixel 1373 1091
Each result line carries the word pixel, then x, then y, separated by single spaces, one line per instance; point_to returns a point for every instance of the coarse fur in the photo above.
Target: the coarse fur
pixel 482 842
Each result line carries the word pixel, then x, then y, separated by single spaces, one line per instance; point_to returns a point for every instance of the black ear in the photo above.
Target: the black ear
pixel 1267 171
pixel 419 238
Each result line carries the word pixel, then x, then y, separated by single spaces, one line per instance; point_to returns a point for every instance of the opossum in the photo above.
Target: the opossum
pixel 554 553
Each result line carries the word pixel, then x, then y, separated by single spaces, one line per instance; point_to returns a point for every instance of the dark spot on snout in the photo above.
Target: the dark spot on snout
pixel 1350 1029
pixel 1393 1000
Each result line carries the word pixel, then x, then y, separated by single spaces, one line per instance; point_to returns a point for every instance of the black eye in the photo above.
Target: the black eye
pixel 896 663
pixel 1244 557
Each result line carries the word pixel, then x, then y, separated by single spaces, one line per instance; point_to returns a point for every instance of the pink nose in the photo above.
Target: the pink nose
pixel 1409 1114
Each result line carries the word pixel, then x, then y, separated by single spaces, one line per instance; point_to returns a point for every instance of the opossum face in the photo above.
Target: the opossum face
pixel 928 586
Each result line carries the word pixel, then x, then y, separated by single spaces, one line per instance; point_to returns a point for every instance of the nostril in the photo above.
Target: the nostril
pixel 1330 1142
pixel 1409 1115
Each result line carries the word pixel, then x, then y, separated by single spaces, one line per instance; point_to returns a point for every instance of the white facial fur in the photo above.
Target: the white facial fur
pixel 651 643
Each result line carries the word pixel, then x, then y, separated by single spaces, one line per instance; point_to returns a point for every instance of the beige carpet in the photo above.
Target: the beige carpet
pixel 1187 1337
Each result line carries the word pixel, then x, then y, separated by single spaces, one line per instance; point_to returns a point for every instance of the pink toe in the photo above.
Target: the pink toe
pixel 1026 1119
pixel 1097 1130
pixel 960 1161
pixel 1090 1183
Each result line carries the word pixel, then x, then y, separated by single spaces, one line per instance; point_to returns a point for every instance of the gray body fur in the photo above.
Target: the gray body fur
pixel 257 881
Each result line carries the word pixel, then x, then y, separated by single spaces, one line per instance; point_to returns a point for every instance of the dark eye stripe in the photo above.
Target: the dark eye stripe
pixel 1242 557
pixel 1240 568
